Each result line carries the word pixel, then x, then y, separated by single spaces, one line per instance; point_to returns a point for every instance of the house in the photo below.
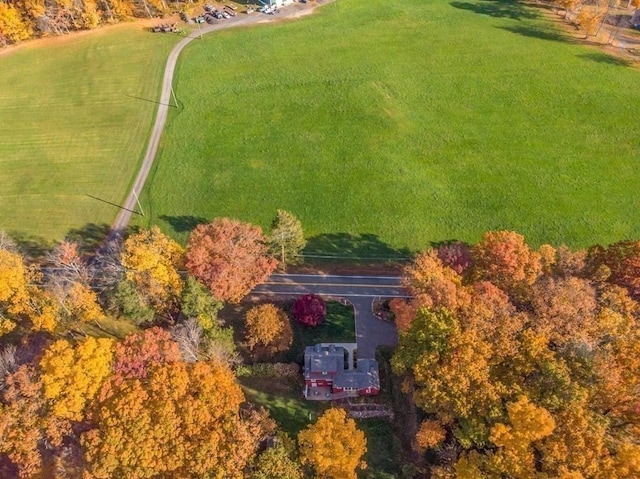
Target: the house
pixel 330 372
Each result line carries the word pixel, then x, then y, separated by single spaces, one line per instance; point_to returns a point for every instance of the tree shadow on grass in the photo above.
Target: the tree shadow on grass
pixel 497 9
pixel 184 223
pixel 89 236
pixel 541 33
pixel 31 246
pixel 344 245
pixel 606 59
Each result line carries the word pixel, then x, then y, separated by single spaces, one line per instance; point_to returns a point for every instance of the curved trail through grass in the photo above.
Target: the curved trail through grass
pixel 130 206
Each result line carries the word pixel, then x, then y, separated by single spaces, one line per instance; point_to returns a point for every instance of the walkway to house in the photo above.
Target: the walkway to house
pixel 360 291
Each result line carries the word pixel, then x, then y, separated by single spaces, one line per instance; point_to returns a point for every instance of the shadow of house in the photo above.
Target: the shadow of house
pixel 345 245
pixel 497 9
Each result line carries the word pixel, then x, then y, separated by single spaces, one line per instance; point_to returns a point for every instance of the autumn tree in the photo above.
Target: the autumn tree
pixel 22 302
pixel 182 420
pixel 565 310
pixel 310 310
pixel 550 333
pixel 12 27
pixel 528 423
pixel 505 259
pixel 333 446
pixel 14 290
pixel 269 327
pixel 197 302
pixel 279 461
pixel 452 371
pixel 431 282
pixel 286 240
pixel 152 261
pixel 21 421
pixel 404 312
pixel 230 257
pixel 69 281
pixel 72 375
pixel 429 435
pixel 456 255
pixel 623 261
pixel 135 355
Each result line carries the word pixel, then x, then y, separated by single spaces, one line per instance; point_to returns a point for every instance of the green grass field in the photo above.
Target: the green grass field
pixel 409 122
pixel 75 116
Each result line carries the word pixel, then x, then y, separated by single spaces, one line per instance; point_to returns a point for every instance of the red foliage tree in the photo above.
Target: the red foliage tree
pixel 230 257
pixel 623 259
pixel 457 256
pixel 138 352
pixel 309 310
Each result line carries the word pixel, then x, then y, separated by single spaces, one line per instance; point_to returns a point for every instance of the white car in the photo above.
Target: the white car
pixel 266 9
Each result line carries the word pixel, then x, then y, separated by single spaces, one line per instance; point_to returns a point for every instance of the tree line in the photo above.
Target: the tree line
pixel 24 19
pixel 523 362
pixel 163 400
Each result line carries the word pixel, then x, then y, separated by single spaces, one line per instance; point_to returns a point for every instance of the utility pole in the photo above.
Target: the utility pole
pixel 174 95
pixel 138 201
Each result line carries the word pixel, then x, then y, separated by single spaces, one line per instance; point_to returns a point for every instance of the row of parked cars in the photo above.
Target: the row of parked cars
pixel 212 13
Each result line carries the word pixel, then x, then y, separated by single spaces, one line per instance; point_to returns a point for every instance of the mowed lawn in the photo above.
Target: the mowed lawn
pixel 409 121
pixel 75 113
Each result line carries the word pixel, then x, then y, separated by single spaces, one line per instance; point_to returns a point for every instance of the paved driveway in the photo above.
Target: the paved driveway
pixel 358 290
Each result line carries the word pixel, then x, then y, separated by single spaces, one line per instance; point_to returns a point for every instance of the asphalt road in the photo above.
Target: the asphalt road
pixel 333 285
pixel 166 101
pixel 360 291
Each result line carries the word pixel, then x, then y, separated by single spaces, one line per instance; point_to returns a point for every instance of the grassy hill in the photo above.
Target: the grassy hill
pixel 388 125
pixel 75 115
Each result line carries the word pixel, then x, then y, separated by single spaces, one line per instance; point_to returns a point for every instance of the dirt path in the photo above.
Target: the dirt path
pixel 295 10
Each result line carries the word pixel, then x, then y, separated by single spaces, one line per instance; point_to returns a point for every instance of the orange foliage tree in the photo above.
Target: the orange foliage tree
pixel 269 327
pixel 230 257
pixel 180 421
pixel 505 259
pixel 552 333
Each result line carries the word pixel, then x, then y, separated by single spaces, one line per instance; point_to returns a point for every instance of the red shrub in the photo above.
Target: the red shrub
pixel 309 310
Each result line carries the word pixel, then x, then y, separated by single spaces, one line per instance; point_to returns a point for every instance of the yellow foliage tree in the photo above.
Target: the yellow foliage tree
pixel 21 302
pixel 152 261
pixel 14 289
pixel 12 27
pixel 333 446
pixel 72 375
pixel 529 423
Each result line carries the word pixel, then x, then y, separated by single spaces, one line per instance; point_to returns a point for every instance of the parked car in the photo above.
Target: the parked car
pixel 230 12
pixel 225 14
pixel 218 14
